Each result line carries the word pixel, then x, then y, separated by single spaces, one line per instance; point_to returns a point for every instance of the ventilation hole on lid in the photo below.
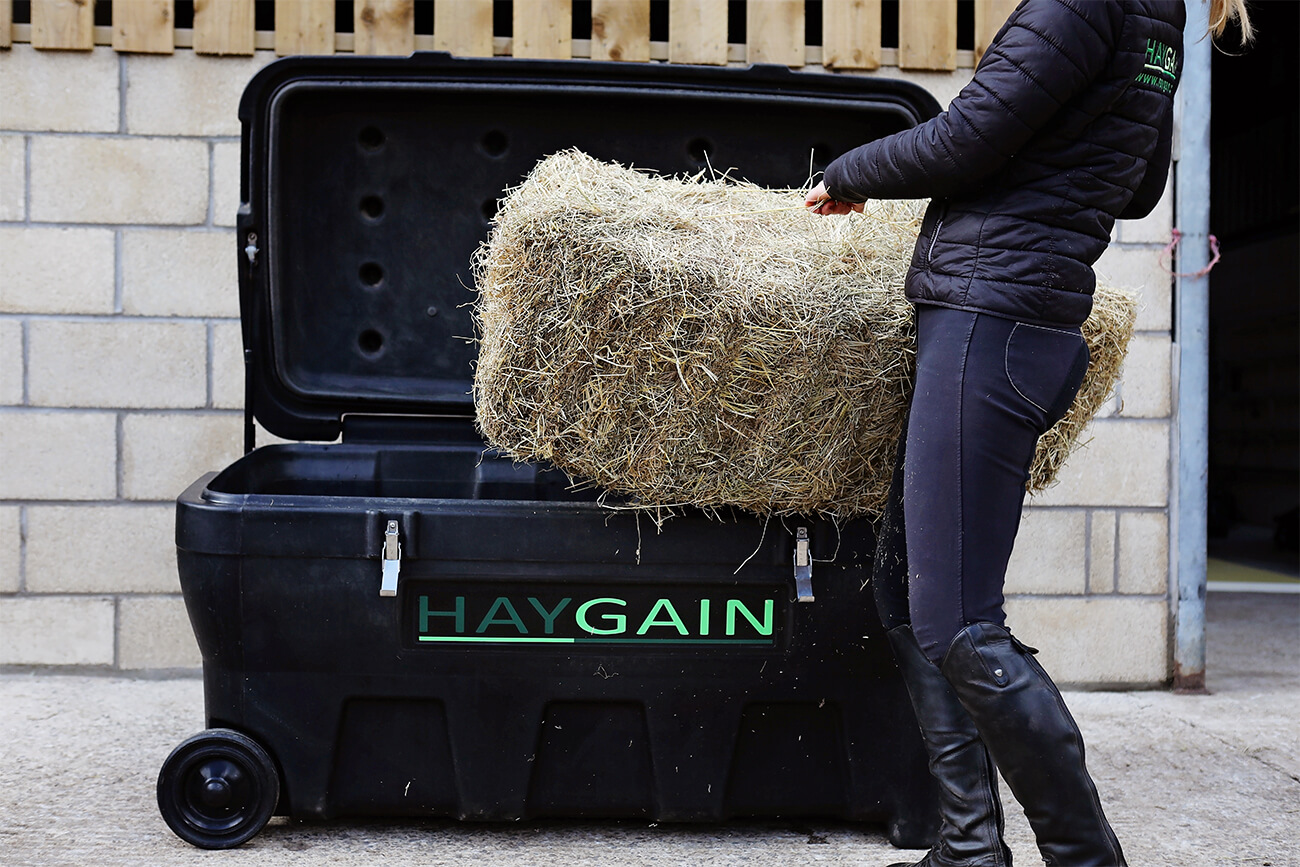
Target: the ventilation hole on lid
pixel 494 144
pixel 371 274
pixel 699 151
pixel 372 207
pixel 371 138
pixel 370 342
pixel 822 154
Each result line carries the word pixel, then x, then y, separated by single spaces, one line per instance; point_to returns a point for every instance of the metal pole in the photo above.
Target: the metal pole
pixel 1191 311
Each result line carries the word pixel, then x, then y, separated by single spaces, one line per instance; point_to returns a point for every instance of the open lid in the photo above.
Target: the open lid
pixel 368 184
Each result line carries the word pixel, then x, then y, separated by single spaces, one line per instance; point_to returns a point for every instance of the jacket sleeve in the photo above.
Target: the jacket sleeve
pixel 1048 51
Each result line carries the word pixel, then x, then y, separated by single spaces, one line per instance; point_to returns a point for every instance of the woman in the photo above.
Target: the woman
pixel 1065 127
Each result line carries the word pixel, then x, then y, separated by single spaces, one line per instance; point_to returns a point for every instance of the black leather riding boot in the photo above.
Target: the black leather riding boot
pixel 970 814
pixel 1024 722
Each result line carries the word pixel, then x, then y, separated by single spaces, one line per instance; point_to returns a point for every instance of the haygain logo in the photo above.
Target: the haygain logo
pixel 647 616
pixel 1160 69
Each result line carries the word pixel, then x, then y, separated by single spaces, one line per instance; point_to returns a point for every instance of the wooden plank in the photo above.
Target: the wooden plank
pixel 927 34
pixel 144 26
pixel 383 27
pixel 851 34
pixel 774 32
pixel 67 24
pixel 304 27
pixel 6 23
pixel 990 15
pixel 463 27
pixel 543 29
pixel 620 30
pixel 223 27
pixel 697 31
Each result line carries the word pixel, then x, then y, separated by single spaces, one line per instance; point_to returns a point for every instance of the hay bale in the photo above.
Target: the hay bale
pixel 709 343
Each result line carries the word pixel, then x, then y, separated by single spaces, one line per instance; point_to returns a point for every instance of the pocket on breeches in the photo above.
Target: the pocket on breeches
pixel 1046 366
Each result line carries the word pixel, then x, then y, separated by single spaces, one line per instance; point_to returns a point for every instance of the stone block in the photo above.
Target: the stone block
pixel 1143 552
pixel 11 549
pixel 13 177
pixel 225 183
pixel 58 455
pixel 93 179
pixel 59 90
pixel 11 362
pixel 1110 408
pixel 1119 462
pixel 163 453
pixel 1050 553
pixel 265 438
pixel 187 93
pixel 227 366
pixel 119 548
pixel 1094 640
pixel 56 270
pixel 117 363
pixel 1101 551
pixel 173 272
pixel 1154 228
pixel 154 632
pixel 56 630
pixel 1141 269
pixel 1146 383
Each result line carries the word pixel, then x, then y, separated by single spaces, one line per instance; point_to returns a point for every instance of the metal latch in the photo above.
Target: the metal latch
pixel 392 561
pixel 802 566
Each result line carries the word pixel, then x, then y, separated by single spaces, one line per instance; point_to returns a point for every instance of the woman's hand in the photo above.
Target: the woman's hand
pixel 820 202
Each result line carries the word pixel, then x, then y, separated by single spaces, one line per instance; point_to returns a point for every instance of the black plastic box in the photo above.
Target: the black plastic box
pixel 398 621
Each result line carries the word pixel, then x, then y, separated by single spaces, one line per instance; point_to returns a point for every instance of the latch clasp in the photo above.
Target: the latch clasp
pixel 392 560
pixel 802 566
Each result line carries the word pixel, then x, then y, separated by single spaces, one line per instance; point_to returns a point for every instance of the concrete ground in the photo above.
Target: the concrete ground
pixel 1186 780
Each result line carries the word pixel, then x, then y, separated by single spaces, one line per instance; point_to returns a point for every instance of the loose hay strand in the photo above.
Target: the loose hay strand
pixel 706 342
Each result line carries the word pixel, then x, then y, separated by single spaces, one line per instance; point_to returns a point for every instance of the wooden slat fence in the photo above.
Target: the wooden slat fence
pixel 851 33
pixel 224 27
pixel 63 24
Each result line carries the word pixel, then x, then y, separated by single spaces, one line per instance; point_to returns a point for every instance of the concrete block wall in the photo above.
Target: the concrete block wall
pixel 121 381
pixel 120 360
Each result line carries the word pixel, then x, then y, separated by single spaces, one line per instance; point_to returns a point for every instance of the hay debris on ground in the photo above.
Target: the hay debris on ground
pixel 698 341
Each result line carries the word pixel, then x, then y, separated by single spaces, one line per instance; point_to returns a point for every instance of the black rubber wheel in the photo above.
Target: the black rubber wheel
pixel 218 789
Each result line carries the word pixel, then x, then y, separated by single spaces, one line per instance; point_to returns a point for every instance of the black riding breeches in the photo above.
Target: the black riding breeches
pixel 986 388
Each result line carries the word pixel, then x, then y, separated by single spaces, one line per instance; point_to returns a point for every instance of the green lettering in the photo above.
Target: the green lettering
pixel 549 616
pixel 704 617
pixel 619 620
pixel 734 605
pixel 458 613
pixel 673 620
pixel 512 617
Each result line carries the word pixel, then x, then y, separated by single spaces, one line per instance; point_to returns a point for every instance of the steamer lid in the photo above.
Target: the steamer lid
pixel 369 183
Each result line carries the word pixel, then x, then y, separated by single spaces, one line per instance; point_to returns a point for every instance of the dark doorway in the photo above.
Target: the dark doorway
pixel 1254 400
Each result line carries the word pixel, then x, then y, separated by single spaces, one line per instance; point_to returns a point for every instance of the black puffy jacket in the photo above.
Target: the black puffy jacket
pixel 1066 126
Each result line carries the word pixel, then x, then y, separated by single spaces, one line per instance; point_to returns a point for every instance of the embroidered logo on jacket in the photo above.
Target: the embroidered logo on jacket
pixel 1160 71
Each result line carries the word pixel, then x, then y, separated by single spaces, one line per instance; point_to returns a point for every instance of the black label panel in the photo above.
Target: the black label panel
pixel 448 613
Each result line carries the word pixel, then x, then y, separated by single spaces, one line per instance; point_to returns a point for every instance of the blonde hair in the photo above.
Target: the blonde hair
pixel 1223 11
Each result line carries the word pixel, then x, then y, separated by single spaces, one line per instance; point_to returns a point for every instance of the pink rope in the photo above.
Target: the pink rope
pixel 1169 251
